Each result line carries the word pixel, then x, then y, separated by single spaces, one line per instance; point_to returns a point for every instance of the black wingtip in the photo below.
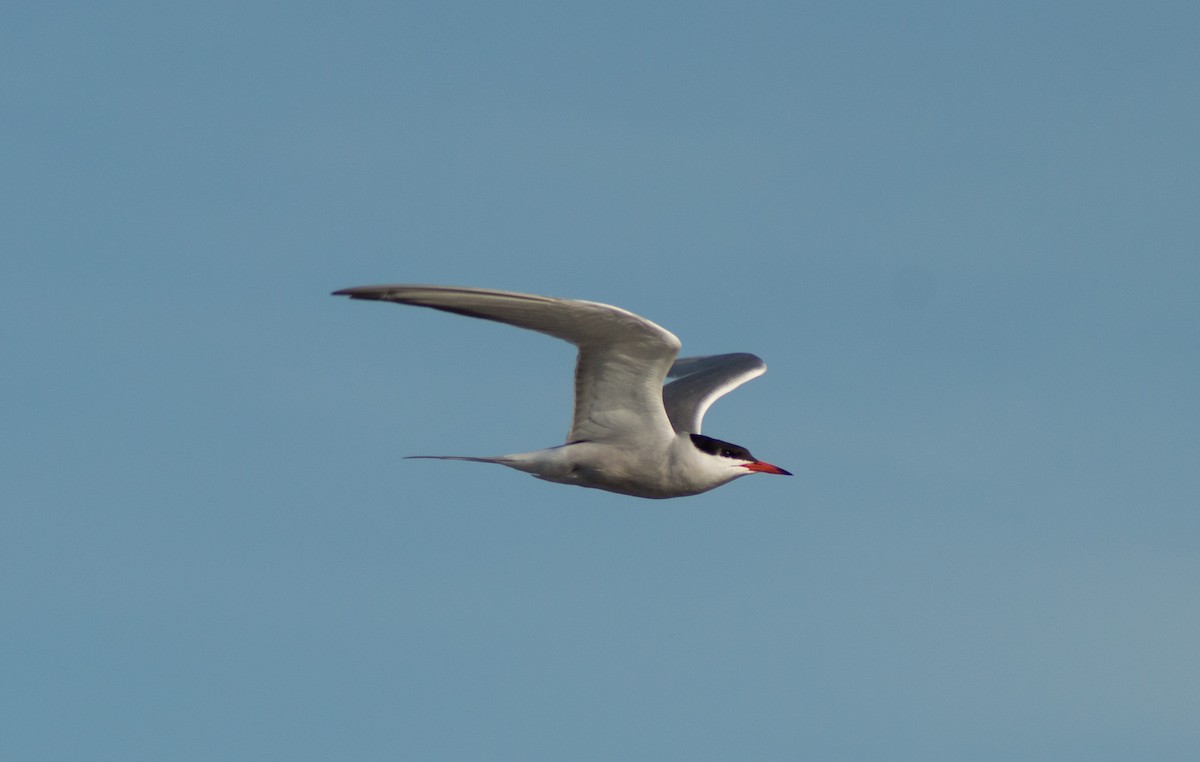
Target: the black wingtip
pixel 362 292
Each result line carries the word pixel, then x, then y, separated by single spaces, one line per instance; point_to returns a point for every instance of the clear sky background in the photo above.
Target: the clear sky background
pixel 964 236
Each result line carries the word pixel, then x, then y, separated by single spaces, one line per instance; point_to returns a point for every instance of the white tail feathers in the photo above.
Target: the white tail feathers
pixel 501 460
pixel 527 462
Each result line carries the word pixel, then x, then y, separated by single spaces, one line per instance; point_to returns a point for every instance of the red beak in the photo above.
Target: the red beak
pixel 766 468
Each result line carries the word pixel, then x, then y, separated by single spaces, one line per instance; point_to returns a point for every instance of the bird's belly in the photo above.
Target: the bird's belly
pixel 638 476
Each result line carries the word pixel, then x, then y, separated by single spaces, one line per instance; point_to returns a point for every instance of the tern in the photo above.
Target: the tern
pixel 630 433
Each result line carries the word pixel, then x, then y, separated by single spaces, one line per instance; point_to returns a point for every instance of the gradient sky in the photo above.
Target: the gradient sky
pixel 962 235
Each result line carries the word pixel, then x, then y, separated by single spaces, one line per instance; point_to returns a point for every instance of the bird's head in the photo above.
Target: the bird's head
pixel 734 456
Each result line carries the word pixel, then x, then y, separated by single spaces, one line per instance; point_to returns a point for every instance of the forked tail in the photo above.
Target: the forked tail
pixel 500 460
pixel 521 461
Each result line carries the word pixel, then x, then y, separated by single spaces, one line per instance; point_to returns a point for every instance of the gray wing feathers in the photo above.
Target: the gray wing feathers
pixel 700 381
pixel 522 310
pixel 623 358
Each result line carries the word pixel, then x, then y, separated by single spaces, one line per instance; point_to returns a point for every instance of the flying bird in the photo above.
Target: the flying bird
pixel 630 433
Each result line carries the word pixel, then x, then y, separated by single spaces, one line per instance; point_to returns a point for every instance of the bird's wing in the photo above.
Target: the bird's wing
pixel 700 381
pixel 623 358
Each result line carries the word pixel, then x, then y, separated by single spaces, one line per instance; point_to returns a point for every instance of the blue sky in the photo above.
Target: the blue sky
pixel 963 236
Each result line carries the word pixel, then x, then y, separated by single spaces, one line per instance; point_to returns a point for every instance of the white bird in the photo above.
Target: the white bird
pixel 630 433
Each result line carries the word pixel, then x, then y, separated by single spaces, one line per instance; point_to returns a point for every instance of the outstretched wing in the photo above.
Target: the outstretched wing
pixel 700 381
pixel 623 358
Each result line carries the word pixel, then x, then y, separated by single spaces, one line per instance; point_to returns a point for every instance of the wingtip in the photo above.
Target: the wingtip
pixel 362 292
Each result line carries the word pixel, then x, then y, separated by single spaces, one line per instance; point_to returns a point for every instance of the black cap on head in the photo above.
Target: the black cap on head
pixel 719 448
